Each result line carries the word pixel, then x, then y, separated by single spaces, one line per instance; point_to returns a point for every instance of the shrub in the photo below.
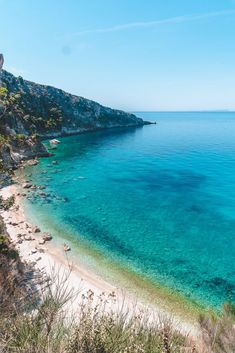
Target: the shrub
pixel 7 203
pixel 94 328
pixel 219 332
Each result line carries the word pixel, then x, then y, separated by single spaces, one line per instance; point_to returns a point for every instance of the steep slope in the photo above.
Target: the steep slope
pixel 30 112
pixel 49 111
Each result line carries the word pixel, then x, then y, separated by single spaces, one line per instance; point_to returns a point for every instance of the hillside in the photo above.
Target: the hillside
pixel 30 112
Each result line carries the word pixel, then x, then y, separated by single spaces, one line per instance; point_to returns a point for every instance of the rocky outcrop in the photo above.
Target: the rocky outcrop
pixel 1 61
pixel 44 111
pixel 49 111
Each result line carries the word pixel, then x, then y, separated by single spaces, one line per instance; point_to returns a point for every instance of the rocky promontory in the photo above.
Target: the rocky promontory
pixel 30 112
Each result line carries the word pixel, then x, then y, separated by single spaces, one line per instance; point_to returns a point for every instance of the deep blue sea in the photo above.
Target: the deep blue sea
pixel 159 199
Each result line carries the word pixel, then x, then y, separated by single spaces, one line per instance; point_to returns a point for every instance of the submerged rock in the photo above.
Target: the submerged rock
pixel 41 187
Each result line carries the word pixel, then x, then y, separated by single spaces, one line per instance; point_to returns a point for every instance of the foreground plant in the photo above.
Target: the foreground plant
pixel 50 325
pixel 219 332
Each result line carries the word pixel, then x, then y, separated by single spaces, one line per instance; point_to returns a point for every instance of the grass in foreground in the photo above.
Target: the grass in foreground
pixel 94 329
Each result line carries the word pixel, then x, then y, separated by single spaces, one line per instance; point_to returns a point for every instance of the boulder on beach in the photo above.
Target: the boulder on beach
pixel 14 223
pixel 28 237
pixel 20 235
pixel 66 247
pixel 27 185
pixel 36 229
pixel 32 162
pixel 41 250
pixel 47 236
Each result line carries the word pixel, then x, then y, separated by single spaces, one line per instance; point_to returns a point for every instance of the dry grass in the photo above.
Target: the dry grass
pixel 94 328
pixel 40 319
pixel 218 333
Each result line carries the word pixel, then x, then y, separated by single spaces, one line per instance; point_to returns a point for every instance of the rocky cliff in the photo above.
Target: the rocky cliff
pixel 36 111
pixel 50 111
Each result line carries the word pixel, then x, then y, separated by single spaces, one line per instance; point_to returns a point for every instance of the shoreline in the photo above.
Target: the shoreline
pixel 48 256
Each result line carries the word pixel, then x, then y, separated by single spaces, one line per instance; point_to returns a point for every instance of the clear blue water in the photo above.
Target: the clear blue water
pixel 158 199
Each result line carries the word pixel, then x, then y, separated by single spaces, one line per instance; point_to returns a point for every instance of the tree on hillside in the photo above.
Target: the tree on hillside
pixel 8 102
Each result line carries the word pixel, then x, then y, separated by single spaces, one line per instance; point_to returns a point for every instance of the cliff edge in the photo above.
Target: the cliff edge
pixel 30 112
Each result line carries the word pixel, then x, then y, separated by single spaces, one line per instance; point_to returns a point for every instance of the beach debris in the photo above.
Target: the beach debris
pixel 66 247
pixel 34 251
pixel 38 258
pixel 41 242
pixel 47 237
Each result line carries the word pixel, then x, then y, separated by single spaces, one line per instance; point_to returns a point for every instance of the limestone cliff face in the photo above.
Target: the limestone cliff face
pixel 45 111
pixel 49 111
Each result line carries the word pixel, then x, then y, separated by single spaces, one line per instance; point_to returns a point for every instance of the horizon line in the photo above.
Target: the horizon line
pixel 185 111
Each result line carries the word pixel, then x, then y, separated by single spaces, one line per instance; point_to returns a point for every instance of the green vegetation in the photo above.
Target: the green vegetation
pixel 8 203
pixel 9 102
pixel 37 113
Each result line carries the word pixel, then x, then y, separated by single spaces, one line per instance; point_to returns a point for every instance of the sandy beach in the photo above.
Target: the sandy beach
pixel 48 258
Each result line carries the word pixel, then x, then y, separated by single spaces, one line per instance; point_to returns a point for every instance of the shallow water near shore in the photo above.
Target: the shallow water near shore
pixel 159 201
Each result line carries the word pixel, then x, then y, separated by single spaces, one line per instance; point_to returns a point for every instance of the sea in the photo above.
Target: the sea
pixel 156 202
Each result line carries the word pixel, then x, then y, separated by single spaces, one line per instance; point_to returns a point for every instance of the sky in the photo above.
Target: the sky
pixel 135 55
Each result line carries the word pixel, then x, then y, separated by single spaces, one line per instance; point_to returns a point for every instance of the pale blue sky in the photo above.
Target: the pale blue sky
pixel 128 54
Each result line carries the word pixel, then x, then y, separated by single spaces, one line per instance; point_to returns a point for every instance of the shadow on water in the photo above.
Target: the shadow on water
pixel 79 145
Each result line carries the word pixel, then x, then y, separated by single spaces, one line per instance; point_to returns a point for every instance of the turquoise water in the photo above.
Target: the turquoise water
pixel 158 199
